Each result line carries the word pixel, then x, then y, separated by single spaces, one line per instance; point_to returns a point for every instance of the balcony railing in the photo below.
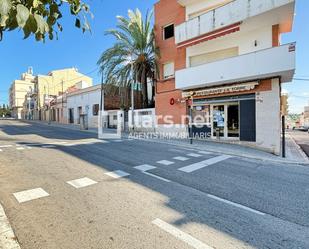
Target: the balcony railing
pixel 223 16
pixel 272 62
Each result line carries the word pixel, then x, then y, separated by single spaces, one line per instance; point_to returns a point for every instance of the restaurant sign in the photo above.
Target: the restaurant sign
pixel 221 90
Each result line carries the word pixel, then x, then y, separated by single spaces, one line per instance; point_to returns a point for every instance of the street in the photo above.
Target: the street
pixel 302 139
pixel 127 193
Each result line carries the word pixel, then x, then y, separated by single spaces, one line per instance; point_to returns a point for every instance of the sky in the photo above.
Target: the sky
pixel 75 49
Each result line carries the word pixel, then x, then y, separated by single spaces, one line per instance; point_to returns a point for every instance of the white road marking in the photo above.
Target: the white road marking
pixel 181 158
pixel 49 146
pixel 203 164
pixel 145 167
pixel 194 155
pixel 165 162
pixel 117 141
pixel 175 150
pixel 204 152
pixel 1 150
pixel 7 236
pixel 82 182
pixel 6 146
pixel 68 145
pixel 190 240
pixel 29 195
pixel 117 174
pixel 235 204
pixel 20 148
pixel 155 176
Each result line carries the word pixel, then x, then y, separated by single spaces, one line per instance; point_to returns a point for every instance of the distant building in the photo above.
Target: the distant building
pixel 306 116
pixel 18 91
pixel 47 87
pixel 284 104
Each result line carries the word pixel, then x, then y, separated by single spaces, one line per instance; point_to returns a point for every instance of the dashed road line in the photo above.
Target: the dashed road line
pixel 82 182
pixel 188 239
pixel 155 176
pixel 6 146
pixel 117 174
pixel 1 150
pixel 145 167
pixel 204 152
pixel 203 164
pixel 29 195
pixel 165 162
pixel 181 158
pixel 194 155
pixel 235 204
pixel 7 236
pixel 20 148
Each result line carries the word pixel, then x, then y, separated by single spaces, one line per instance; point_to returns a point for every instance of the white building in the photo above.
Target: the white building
pixel 84 101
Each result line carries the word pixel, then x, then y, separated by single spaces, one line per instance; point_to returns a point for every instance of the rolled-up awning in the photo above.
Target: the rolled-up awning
pixel 211 35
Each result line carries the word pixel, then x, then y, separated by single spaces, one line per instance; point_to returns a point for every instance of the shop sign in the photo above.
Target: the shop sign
pixel 221 90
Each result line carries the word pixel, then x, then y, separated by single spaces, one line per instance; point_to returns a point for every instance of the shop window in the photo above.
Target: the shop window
pixel 168 31
pixel 168 70
pixel 95 109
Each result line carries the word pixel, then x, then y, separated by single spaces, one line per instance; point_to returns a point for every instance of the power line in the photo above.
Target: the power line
pixel 301 79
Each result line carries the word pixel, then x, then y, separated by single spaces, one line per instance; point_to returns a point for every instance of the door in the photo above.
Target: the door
pixel 71 115
pixel 247 120
pixel 218 120
pixel 233 120
pixel 79 112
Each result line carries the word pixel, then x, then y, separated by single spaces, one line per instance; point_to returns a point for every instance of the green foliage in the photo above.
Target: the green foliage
pixel 134 49
pixel 5 111
pixel 40 17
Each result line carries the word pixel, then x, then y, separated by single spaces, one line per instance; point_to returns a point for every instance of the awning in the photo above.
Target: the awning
pixel 211 35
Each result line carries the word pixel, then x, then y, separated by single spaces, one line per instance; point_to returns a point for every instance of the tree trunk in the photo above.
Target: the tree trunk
pixel 144 90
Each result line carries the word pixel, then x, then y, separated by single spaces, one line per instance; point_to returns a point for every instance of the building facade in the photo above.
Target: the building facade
pixel 18 91
pixel 222 65
pixel 47 87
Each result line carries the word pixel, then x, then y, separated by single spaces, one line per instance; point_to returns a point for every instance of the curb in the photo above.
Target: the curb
pixel 8 239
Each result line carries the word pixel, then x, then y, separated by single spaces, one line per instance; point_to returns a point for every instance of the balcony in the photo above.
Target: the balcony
pixel 272 62
pixel 229 14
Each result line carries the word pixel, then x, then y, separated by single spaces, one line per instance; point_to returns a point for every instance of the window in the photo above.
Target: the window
pixel 168 70
pixel 168 31
pixel 95 110
pixel 213 56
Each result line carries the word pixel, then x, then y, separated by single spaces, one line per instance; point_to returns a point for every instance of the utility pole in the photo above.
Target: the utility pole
pixel 283 136
pixel 132 95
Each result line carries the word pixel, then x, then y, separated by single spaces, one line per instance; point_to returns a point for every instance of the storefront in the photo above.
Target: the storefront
pixel 231 117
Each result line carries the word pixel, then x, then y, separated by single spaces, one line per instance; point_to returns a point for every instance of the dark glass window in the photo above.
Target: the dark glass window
pixel 168 31
pixel 95 109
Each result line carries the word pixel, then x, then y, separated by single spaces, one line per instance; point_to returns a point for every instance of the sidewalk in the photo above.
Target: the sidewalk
pixel 294 154
pixel 293 150
pixel 7 236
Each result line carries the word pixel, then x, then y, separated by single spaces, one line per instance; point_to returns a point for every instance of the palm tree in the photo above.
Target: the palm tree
pixel 132 59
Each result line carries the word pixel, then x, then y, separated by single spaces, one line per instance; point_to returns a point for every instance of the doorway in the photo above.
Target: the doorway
pixel 71 115
pixel 225 120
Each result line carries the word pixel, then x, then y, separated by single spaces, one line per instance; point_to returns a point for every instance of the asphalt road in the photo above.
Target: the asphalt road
pixel 188 199
pixel 302 139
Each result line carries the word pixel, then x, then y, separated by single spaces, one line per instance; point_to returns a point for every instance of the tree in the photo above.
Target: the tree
pixel 134 49
pixel 40 17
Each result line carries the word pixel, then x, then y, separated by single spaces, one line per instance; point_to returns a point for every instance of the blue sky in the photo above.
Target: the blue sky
pixel 74 49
